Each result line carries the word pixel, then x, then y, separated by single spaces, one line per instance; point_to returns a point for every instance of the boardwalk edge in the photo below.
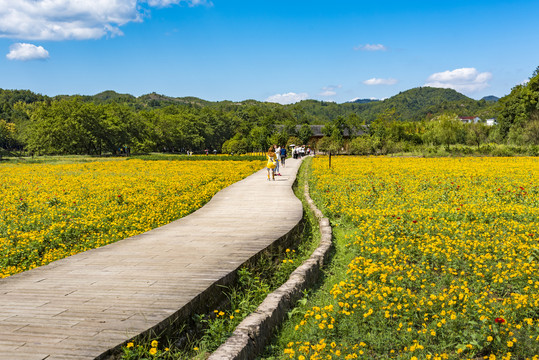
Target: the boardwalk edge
pixel 253 333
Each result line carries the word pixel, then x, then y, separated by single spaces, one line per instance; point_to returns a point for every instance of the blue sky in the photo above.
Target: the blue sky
pixel 281 51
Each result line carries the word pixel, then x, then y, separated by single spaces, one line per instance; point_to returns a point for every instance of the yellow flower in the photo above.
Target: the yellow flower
pixel 510 344
pixel 130 345
pixel 73 205
pixel 490 338
pixel 154 343
pixel 153 351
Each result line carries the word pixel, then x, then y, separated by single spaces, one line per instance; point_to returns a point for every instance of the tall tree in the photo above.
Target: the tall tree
pixel 516 108
pixel 305 133
pixel 445 130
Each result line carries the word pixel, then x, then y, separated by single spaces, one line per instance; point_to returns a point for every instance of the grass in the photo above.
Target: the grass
pixel 57 159
pixel 75 159
pixel 318 295
pixel 179 157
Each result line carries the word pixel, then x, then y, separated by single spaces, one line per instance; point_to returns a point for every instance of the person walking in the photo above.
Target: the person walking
pixel 272 159
pixel 278 155
pixel 283 155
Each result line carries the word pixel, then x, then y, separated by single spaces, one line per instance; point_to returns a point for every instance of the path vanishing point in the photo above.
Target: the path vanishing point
pixel 85 305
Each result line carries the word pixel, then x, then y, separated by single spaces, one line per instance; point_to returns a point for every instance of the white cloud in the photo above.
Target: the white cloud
pixel 329 90
pixel 23 51
pixel 73 19
pixel 377 81
pixel 191 3
pixel 371 47
pixel 328 93
pixel 288 98
pixel 464 79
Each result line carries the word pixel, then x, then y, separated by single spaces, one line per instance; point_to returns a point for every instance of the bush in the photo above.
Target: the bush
pixel 502 150
pixel 235 146
pixel 533 150
pixel 361 146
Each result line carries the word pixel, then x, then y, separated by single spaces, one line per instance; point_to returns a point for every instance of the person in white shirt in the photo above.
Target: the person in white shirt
pixel 278 154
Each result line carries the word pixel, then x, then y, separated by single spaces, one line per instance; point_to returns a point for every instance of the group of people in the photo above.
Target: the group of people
pixel 300 151
pixel 275 155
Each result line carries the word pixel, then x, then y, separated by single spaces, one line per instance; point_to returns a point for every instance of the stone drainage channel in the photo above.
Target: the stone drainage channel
pixel 254 332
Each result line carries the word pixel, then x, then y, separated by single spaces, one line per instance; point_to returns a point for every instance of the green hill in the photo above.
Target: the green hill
pixel 418 103
pixel 491 98
pixel 113 96
pixel 412 105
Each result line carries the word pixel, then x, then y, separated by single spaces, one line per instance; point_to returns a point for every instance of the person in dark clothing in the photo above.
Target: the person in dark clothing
pixel 283 155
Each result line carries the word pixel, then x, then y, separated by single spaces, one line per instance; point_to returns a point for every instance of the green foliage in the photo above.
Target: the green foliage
pixel 531 130
pixel 362 145
pixel 7 132
pixel 177 157
pixel 305 133
pixel 72 126
pixel 517 109
pixel 236 145
pixel 476 133
pixel 107 122
pixel 293 141
pixel 444 130
pixel 329 144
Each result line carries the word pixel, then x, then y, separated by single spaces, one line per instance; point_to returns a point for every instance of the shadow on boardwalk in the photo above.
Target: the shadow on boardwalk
pixel 83 306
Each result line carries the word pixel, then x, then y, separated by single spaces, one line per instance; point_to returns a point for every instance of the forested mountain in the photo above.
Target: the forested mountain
pixel 411 105
pixel 363 101
pixel 491 98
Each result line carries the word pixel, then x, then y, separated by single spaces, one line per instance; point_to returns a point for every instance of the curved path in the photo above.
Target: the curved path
pixel 83 306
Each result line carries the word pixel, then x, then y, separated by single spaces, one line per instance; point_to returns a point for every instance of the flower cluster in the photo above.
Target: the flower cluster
pixel 48 212
pixel 443 260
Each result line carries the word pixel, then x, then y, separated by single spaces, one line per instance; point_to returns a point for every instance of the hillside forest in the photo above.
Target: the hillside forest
pixel 421 118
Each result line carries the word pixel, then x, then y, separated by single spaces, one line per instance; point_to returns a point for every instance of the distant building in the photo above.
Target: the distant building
pixel 469 119
pixel 491 122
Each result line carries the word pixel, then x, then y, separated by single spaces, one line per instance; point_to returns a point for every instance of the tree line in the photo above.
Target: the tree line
pixel 109 123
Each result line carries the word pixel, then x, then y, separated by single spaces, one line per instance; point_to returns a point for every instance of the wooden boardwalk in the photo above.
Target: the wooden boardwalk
pixel 84 305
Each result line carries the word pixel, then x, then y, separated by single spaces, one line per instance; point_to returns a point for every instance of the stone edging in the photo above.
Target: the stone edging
pixel 252 334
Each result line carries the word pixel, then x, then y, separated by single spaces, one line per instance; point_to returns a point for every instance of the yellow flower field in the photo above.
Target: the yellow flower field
pixel 48 212
pixel 444 260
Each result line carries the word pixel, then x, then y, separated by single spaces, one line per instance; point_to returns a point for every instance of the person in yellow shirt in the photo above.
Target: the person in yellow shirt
pixel 272 160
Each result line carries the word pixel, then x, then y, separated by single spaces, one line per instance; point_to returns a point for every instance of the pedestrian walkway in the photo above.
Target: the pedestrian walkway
pixel 84 305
